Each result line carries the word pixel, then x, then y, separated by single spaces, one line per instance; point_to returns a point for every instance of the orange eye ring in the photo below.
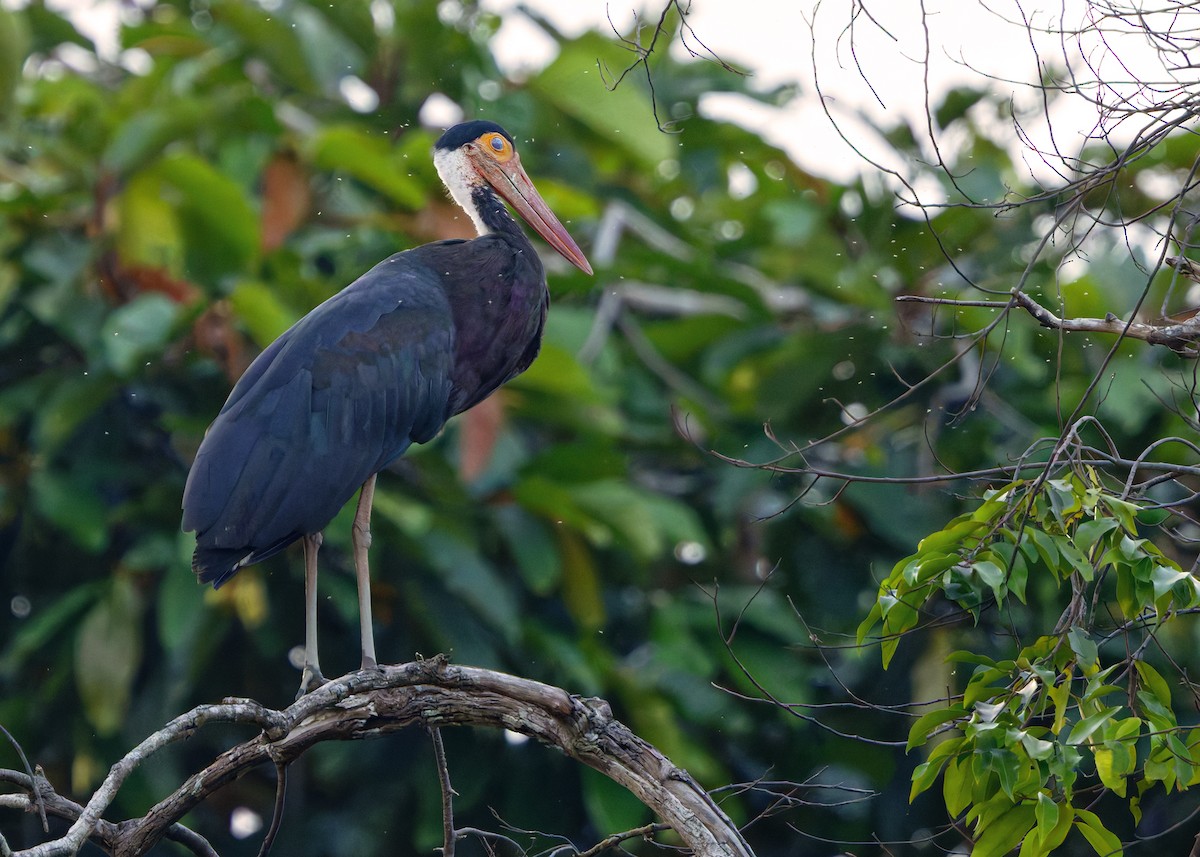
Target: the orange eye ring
pixel 497 146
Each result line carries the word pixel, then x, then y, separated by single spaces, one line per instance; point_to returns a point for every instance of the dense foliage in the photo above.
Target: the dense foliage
pixel 169 207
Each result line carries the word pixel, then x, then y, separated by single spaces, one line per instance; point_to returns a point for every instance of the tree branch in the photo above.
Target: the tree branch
pixel 371 703
pixel 1181 337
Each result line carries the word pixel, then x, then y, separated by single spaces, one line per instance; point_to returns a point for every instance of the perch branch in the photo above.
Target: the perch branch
pixel 429 693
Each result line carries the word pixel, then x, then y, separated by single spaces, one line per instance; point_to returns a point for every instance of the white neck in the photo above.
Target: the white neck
pixel 460 179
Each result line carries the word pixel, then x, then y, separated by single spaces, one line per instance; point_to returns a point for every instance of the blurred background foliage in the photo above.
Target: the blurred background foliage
pixel 168 209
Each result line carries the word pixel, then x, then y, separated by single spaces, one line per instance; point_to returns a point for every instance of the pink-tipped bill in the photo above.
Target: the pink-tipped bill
pixel 514 186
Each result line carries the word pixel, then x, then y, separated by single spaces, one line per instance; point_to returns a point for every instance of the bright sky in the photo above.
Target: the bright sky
pixel 870 75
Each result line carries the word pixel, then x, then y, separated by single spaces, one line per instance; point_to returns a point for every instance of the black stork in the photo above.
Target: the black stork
pixel 384 363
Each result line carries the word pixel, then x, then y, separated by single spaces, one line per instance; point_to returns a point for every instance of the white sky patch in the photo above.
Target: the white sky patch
pixel 358 94
pixel 244 822
pixel 383 16
pixel 439 111
pixel 521 47
pixel 869 81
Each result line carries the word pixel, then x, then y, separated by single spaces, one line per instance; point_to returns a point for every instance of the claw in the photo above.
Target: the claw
pixel 310 680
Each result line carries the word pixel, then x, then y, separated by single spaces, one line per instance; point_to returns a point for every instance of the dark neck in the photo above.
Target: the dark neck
pixel 494 213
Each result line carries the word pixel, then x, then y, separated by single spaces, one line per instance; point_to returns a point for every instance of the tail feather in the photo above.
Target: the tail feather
pixel 218 565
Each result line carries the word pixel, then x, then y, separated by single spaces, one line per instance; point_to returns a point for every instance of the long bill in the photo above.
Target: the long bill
pixel 514 186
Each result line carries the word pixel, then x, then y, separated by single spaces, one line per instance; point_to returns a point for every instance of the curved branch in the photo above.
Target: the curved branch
pixel 429 693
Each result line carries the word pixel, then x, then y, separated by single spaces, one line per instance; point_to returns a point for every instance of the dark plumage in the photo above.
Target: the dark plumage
pixel 340 395
pixel 422 336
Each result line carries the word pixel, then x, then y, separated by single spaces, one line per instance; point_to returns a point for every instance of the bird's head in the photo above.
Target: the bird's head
pixel 476 154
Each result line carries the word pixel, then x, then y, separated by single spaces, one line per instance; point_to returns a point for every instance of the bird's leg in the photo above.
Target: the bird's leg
pixel 311 678
pixel 361 539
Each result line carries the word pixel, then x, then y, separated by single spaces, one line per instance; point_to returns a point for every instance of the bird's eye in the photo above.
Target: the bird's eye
pixel 501 149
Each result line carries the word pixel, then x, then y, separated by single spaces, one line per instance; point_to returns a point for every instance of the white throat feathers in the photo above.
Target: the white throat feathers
pixel 460 179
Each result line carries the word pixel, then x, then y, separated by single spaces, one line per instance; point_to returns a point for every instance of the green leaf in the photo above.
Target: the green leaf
pixel 1017 569
pixel 927 723
pixel 1004 833
pixel 867 624
pixel 1103 840
pixel 65 408
pixel 1126 729
pixel 260 309
pixel 220 224
pixel 149 233
pixel 982 685
pixel 924 567
pixel 176 604
pixel 578 84
pixel 964 657
pixel 958 784
pixel 1131 548
pixel 951 538
pixel 1046 814
pixel 1064 499
pixel 144 135
pixel 1164 579
pixel 1047 547
pixel 956 103
pixel 1088 725
pixel 925 773
pixel 469 576
pixel 1077 559
pixel 76 511
pixel 1084 647
pixel 269 36
pixel 992 575
pixel 411 517
pixel 581 590
pixel 1037 749
pixel 1007 767
pixel 1153 682
pixel 138 330
pixel 901 618
pixel 1041 843
pixel 1162 717
pixel 371 160
pixel 651 525
pixel 46 623
pixel 533 548
pixel 557 371
pixel 108 652
pixel 1090 532
pixel 1060 695
pixel 14 47
pixel 1113 763
pixel 1125 512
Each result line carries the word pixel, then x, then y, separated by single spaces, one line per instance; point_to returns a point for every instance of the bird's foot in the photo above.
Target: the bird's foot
pixel 310 680
pixel 369 663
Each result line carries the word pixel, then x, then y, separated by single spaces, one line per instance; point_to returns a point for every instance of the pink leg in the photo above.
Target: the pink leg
pixel 361 540
pixel 311 678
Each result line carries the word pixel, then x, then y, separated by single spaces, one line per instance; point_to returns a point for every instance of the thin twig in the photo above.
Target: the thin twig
pixel 277 810
pixel 37 793
pixel 439 754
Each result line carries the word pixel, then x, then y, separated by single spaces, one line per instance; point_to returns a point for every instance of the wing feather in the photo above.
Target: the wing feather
pixel 332 401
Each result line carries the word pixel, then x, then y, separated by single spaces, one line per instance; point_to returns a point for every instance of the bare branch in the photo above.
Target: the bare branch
pixel 372 703
pixel 1181 337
